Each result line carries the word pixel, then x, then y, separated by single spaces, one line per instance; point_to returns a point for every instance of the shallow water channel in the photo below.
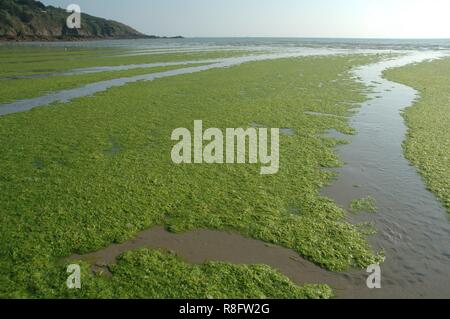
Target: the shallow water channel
pixel 413 228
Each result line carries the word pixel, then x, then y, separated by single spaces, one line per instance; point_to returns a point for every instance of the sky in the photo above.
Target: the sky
pixel 277 18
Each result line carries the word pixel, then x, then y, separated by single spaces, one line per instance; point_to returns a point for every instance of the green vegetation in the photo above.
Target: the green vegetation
pixel 363 205
pixel 154 274
pixel 79 176
pixel 427 145
pixel 16 89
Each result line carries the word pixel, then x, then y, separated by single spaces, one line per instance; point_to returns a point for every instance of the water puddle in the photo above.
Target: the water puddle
pixel 115 148
pixel 336 134
pixel 201 246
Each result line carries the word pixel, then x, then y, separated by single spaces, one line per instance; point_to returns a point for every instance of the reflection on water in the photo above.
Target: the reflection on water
pixel 287 131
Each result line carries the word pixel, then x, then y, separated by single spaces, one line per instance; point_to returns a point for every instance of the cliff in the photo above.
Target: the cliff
pixel 32 20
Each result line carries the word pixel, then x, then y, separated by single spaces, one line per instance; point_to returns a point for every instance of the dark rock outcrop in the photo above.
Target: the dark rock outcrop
pixel 32 20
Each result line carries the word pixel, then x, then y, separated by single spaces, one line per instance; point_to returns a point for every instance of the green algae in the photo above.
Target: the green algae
pixel 80 198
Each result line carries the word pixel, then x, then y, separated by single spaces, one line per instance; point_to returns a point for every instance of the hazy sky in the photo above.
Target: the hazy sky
pixel 280 18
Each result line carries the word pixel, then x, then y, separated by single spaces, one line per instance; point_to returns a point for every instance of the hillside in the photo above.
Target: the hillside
pixel 32 20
